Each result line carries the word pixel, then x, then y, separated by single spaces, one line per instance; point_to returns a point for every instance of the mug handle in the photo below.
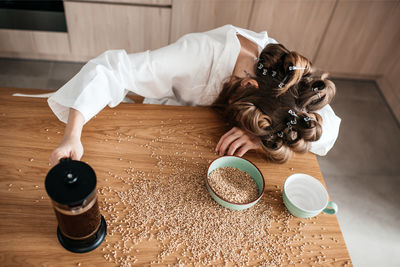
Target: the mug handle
pixel 331 208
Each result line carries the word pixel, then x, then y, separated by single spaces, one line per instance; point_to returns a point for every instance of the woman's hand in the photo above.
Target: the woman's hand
pixel 69 148
pixel 237 142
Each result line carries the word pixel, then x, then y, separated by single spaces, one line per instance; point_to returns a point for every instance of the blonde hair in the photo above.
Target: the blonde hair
pixel 283 117
pixel 277 68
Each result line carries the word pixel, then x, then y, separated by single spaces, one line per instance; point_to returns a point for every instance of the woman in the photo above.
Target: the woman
pixel 187 72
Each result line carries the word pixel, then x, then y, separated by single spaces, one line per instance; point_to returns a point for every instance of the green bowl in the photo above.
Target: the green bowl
pixel 243 165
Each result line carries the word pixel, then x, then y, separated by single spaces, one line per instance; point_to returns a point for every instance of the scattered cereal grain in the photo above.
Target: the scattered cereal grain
pixel 171 206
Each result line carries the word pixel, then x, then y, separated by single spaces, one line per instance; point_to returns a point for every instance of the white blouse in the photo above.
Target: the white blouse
pixel 190 71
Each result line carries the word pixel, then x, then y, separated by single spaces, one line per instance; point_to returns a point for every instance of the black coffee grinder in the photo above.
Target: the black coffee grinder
pixel 71 185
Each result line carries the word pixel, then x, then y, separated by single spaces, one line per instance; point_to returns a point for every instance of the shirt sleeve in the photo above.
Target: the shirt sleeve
pixel 106 79
pixel 330 131
pixel 272 41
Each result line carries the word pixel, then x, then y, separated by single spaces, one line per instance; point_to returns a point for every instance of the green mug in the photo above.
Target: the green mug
pixel 305 197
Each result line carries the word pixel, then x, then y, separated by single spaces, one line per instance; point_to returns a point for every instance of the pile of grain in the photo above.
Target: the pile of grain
pixel 233 185
pixel 169 213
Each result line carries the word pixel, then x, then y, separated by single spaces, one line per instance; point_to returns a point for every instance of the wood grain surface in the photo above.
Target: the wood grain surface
pixel 190 16
pixel 42 43
pixel 96 27
pixel 29 132
pixel 362 38
pixel 131 2
pixel 298 25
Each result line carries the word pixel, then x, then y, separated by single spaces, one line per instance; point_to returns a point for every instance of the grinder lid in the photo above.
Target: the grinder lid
pixel 70 182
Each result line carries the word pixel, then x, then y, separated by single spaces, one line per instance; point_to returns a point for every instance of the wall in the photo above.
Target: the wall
pixel 348 38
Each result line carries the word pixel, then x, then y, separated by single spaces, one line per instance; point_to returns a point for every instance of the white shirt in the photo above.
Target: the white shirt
pixel 190 71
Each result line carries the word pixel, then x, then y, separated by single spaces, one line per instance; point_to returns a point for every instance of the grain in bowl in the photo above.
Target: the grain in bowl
pixel 234 183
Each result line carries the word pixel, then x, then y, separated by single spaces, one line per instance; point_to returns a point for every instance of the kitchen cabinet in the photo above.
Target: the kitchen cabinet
pixel 34 44
pixel 197 16
pixel 96 27
pixel 392 69
pixel 298 25
pixel 140 2
pixel 361 38
pixel 389 83
pixel 362 41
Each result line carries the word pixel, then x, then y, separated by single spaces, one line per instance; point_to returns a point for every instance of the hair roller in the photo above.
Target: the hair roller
pixel 280 68
pixel 294 67
pixel 272 142
pixel 309 126
pixel 314 94
pixel 279 154
pixel 300 146
pixel 293 139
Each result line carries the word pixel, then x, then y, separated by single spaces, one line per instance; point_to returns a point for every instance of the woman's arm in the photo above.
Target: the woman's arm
pixel 74 125
pixel 106 79
pixel 71 146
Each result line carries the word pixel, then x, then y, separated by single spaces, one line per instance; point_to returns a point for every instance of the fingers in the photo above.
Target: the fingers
pixel 221 140
pixel 56 156
pixel 227 141
pixel 242 150
pixel 69 148
pixel 252 143
pixel 75 155
pixel 242 145
pixel 236 144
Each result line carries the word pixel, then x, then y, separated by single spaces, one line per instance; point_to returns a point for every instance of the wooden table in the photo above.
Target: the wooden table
pixel 112 140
